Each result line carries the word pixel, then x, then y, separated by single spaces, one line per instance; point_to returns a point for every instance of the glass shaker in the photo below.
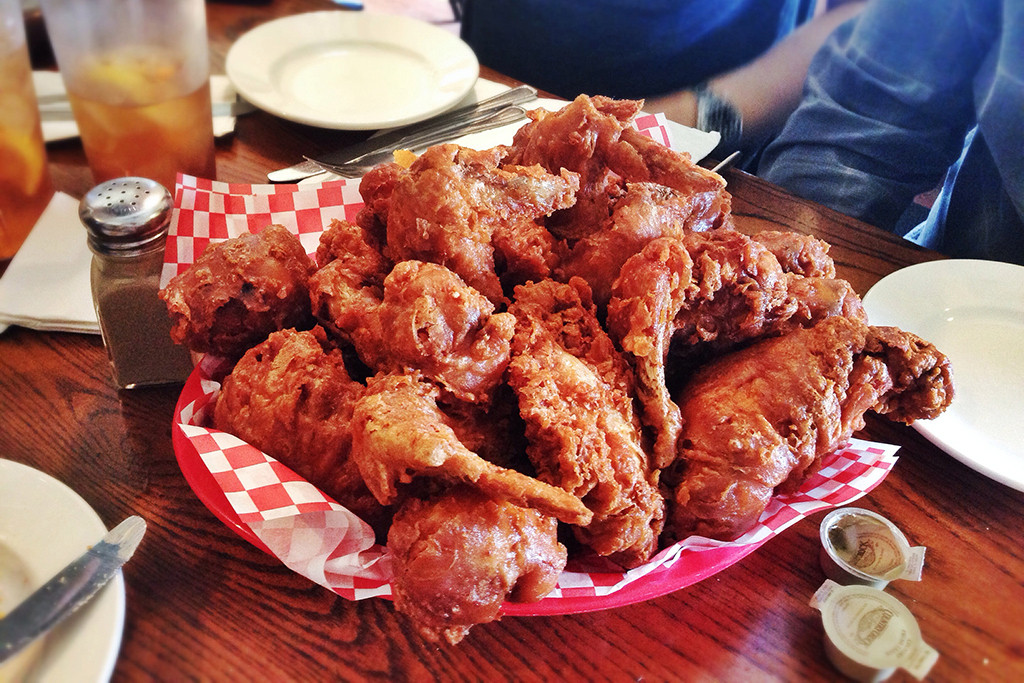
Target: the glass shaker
pixel 127 221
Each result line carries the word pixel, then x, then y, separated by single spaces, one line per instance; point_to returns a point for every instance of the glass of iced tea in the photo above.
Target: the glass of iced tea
pixel 137 74
pixel 25 187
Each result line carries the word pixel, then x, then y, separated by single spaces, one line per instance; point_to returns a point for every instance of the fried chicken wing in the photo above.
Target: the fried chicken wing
pixel 574 391
pixel 592 136
pixel 458 556
pixel 425 318
pixel 400 434
pixel 349 285
pixel 239 291
pixel 758 420
pixel 292 398
pixel 645 212
pixel 456 207
pixel 706 293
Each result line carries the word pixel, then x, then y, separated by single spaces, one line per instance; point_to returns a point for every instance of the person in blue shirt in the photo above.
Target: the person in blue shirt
pixel 624 48
pixel 734 66
pixel 910 96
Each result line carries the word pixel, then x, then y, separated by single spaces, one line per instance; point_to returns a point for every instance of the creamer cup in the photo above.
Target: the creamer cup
pixel 869 633
pixel 862 547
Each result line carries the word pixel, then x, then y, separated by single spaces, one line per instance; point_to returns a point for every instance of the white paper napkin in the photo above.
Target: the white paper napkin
pixel 46 286
pixel 51 94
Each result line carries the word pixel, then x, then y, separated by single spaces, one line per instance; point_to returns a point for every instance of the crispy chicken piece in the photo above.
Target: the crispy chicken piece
pixel 359 248
pixel 458 556
pixel 349 285
pixel 434 322
pixel 742 292
pixel 798 254
pixel 646 211
pixel 400 434
pixel 575 396
pixel 759 420
pixel 592 136
pixel 456 207
pixel 425 318
pixel 239 291
pixel 577 138
pixel 703 294
pixel 292 398
pixel 375 187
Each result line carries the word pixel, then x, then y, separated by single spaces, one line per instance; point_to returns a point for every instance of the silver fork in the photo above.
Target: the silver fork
pixel 397 138
pixel 359 166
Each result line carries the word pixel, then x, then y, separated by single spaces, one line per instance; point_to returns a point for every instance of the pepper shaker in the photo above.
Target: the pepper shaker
pixel 127 221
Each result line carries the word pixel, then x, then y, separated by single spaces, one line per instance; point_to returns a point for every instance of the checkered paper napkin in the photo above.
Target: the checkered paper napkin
pixel 211 211
pixel 278 511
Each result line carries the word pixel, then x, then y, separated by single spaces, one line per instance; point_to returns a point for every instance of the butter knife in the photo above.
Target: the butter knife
pixel 416 143
pixel 394 139
pixel 70 588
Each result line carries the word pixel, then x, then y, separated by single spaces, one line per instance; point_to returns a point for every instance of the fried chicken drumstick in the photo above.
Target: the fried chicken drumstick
pixel 239 291
pixel 757 421
pixel 710 292
pixel 458 556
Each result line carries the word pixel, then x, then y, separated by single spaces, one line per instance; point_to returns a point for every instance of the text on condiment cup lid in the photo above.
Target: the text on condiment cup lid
pixel 869 633
pixel 862 547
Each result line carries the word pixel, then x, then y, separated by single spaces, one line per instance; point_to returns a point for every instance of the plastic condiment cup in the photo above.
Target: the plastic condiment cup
pixel 862 547
pixel 869 633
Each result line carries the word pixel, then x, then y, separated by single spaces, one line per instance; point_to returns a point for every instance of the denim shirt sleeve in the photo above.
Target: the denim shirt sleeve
pixel 887 104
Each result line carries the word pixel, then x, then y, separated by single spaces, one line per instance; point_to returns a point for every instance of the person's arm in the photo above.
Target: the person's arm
pixel 886 107
pixel 766 90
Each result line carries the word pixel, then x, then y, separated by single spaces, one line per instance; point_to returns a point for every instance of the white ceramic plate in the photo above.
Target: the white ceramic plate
pixel 351 70
pixel 43 526
pixel 973 311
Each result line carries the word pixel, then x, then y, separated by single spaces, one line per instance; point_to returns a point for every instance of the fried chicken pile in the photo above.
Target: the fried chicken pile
pixel 562 334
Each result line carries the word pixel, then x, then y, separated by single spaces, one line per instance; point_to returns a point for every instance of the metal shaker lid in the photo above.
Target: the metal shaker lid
pixel 126 215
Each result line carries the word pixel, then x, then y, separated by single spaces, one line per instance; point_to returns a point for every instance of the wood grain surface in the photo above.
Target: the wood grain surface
pixel 205 605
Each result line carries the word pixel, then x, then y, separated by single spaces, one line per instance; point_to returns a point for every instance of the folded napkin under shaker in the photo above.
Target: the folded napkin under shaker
pixel 47 285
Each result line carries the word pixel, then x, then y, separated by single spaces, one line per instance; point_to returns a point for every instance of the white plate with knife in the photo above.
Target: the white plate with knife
pixel 44 525
pixel 351 70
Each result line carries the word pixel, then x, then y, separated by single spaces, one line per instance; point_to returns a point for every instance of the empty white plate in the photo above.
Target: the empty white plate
pixel 351 70
pixel 973 311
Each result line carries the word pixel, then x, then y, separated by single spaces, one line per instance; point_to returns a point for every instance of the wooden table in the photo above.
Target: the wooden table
pixel 205 605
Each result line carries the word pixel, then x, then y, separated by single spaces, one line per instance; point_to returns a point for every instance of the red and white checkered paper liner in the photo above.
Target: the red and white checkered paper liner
pixel 309 532
pixel 278 511
pixel 208 211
